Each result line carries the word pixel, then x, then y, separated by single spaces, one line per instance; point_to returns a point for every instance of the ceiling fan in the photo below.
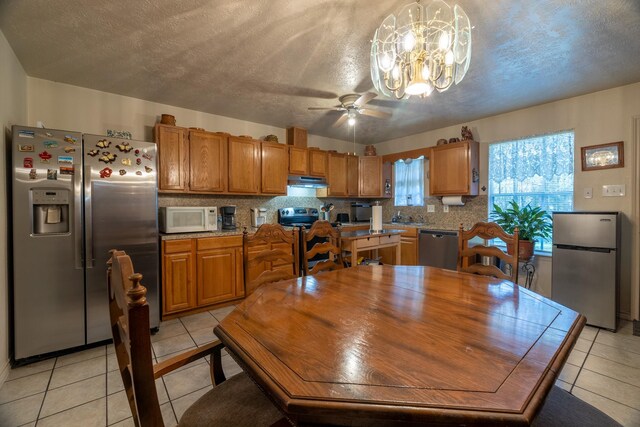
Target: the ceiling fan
pixel 352 104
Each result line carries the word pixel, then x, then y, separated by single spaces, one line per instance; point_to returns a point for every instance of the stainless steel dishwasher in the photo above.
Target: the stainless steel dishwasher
pixel 438 248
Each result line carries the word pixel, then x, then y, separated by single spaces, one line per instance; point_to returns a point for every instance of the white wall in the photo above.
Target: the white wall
pixel 62 106
pixel 596 118
pixel 13 110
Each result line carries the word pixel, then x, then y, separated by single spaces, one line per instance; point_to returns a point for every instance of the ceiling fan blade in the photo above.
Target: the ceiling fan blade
pixel 364 98
pixel 328 108
pixel 375 113
pixel 341 120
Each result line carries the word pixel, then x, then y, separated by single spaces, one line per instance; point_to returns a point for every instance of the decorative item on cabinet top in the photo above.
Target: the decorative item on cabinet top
pixel 271 138
pixel 466 134
pixel 168 119
pixel 370 150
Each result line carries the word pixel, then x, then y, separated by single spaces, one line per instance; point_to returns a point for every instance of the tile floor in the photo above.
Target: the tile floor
pixel 85 389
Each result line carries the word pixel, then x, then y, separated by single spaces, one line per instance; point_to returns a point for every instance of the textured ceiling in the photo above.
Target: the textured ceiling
pixel 266 61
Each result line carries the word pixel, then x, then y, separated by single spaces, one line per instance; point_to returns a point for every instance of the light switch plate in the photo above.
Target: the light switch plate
pixel 588 193
pixel 445 208
pixel 613 190
pixel 431 208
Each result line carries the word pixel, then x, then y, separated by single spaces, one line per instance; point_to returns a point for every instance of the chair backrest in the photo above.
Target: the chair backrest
pixel 129 313
pixel 270 254
pixel 331 246
pixel 468 255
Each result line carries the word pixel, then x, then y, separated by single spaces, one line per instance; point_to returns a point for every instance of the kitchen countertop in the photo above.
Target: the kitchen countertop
pixel 361 234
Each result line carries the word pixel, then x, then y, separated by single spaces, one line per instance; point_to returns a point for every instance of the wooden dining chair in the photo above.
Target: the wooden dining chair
pixel 236 401
pixel 330 244
pixel 468 254
pixel 271 254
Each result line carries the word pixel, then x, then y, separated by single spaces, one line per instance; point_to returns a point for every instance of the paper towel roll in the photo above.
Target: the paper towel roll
pixel 453 201
pixel 376 221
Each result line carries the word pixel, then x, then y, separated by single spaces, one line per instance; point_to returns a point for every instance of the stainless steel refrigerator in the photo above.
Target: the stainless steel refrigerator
pixel 586 264
pixel 75 197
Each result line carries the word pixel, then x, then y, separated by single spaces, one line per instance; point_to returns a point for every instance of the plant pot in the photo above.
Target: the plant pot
pixel 526 250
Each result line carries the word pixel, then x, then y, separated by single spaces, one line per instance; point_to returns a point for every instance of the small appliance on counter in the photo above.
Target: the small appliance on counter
pixel 342 217
pixel 228 217
pixel 190 219
pixel 361 212
pixel 258 216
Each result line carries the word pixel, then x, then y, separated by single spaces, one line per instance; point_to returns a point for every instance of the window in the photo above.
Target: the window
pixel 409 182
pixel 536 170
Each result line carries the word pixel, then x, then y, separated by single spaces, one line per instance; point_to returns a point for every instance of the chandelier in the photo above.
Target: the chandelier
pixel 420 49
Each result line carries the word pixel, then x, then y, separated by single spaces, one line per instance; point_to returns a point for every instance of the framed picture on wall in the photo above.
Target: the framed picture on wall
pixel 603 156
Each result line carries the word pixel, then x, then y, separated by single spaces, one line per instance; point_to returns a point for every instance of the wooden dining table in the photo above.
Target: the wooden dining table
pixel 387 345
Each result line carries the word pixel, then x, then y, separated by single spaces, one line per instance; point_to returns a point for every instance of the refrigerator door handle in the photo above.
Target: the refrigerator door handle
pixel 88 218
pixel 77 220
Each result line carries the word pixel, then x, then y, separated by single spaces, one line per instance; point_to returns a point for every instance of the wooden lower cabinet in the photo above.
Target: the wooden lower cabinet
pixel 408 248
pixel 201 272
pixel 178 271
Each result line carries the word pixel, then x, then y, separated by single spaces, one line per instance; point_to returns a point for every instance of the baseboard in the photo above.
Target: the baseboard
pixel 4 372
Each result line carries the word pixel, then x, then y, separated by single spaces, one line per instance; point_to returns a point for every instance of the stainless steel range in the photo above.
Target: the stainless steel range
pixel 297 217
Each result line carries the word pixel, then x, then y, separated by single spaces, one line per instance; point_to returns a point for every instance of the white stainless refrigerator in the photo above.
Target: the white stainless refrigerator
pixel 75 197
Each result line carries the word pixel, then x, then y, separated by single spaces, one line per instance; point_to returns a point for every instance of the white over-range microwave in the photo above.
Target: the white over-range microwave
pixel 188 219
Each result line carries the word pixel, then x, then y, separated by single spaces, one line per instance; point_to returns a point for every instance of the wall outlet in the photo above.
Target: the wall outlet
pixel 431 208
pixel 612 190
pixel 445 208
pixel 588 193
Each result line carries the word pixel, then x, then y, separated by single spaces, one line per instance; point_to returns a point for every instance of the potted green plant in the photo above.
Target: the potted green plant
pixel 532 223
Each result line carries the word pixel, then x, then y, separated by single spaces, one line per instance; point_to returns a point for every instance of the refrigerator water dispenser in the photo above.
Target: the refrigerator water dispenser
pixel 50 208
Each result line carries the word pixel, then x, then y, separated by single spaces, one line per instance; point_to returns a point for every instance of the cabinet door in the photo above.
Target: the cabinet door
pixel 244 165
pixel 409 250
pixel 178 286
pixel 219 272
pixel 298 161
pixel 173 157
pixel 337 176
pixel 370 177
pixel 352 175
pixel 451 169
pixel 274 168
pixel 208 165
pixel 317 163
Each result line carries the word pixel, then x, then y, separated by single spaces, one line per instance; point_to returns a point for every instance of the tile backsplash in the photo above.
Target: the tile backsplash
pixel 474 210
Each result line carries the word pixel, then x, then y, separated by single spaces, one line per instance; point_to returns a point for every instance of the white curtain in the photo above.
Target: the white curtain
pixel 409 182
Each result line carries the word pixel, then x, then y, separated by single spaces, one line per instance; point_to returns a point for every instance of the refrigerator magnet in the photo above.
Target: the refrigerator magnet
pixel 122 172
pixel 26 134
pixel 33 174
pixel 138 162
pixel 25 148
pixel 48 134
pixel 103 143
pixel 147 156
pixel 70 139
pixel 106 172
pixel 126 162
pixel 65 160
pixel 148 169
pixel 66 170
pixel 107 157
pixel 139 173
pixel 52 174
pixel 93 152
pixel 27 162
pixel 69 149
pixel 50 144
pixel 124 147
pixel 136 152
pixel 44 157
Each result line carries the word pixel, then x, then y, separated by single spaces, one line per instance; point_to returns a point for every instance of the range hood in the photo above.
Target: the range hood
pixel 307 181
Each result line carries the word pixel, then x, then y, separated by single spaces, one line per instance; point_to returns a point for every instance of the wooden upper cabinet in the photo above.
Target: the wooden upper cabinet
pixel 208 161
pixel 317 163
pixel 274 168
pixel 337 176
pixel 453 169
pixel 352 175
pixel 244 165
pixel 298 161
pixel 370 176
pixel 173 157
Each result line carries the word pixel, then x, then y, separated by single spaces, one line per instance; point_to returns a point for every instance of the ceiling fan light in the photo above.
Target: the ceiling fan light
pixel 417 88
pixel 351 120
